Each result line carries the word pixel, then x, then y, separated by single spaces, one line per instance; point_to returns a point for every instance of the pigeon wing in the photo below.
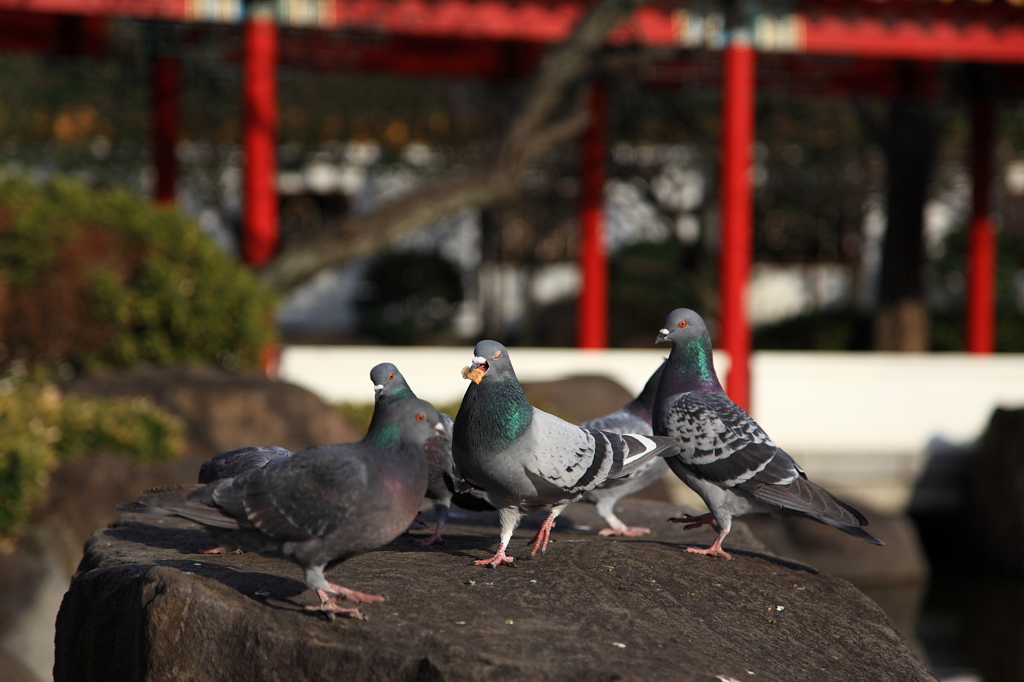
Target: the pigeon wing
pixel 232 463
pixel 307 495
pixel 719 442
pixel 620 421
pixel 576 459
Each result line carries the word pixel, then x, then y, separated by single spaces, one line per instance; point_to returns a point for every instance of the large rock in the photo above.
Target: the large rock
pixel 144 607
pixel 222 410
pixel 995 496
pixel 577 399
pixel 894 576
pixel 225 410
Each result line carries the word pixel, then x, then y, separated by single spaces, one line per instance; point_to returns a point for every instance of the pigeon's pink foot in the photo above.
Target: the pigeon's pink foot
pixel 221 549
pixel 622 530
pixel 499 559
pixel 695 521
pixel 434 539
pixel 714 550
pixel 540 540
pixel 351 595
pixel 329 606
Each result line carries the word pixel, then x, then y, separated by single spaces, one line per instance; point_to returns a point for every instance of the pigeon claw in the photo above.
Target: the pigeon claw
pixel 354 596
pixel 331 608
pixel 499 559
pixel 710 551
pixel 543 536
pixel 434 539
pixel 695 521
pixel 624 531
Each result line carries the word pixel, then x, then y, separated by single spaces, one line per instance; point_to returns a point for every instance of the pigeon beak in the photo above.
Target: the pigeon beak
pixel 377 390
pixel 439 427
pixel 475 372
pixel 661 337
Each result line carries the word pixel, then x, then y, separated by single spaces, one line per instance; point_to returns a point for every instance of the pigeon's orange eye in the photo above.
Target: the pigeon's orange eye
pixel 420 417
pixel 496 354
pixel 391 376
pixel 682 323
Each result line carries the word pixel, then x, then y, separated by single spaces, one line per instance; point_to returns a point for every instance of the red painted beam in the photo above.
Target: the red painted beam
pixel 979 335
pixel 166 77
pixel 737 211
pixel 592 307
pixel 960 31
pixel 259 139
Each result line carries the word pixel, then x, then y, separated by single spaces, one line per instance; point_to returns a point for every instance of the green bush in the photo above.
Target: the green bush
pixel 39 428
pixel 99 278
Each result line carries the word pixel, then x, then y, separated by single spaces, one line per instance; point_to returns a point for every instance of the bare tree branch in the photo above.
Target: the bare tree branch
pixel 532 131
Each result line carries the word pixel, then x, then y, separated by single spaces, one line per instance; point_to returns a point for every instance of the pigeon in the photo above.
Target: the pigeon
pixel 231 463
pixel 321 505
pixel 444 484
pixel 527 459
pixel 633 417
pixel 724 455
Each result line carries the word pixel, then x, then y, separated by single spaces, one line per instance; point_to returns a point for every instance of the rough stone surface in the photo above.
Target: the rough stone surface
pixel 144 607
pixel 894 576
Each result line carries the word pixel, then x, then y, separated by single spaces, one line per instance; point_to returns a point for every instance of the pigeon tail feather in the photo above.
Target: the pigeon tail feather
pixel 855 531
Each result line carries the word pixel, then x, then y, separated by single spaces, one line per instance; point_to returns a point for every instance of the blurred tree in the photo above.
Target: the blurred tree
pixel 910 139
pixel 552 111
pixel 408 298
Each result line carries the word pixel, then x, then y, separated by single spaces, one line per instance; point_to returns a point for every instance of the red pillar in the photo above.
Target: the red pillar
pixel 166 77
pixel 737 210
pixel 592 308
pixel 259 92
pixel 979 335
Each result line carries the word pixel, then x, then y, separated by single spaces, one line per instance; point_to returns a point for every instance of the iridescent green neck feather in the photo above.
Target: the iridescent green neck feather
pixel 387 399
pixel 383 435
pixel 391 397
pixel 691 367
pixel 493 415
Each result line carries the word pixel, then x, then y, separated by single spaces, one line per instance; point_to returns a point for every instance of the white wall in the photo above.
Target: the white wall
pixel 859 423
pixel 342 373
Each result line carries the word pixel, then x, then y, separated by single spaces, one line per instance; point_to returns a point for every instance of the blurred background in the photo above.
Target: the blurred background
pixel 207 200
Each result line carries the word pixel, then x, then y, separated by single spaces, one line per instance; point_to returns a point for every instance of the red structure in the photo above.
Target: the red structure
pixel 979 336
pixel 259 138
pixel 505 38
pixel 737 210
pixel 592 312
pixel 166 90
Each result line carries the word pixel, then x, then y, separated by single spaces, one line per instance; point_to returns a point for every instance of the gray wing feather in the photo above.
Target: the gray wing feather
pixel 721 443
pixel 231 463
pixel 304 496
pixel 578 459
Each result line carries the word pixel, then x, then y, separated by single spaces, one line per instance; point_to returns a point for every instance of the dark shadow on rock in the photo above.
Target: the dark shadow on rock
pixel 185 540
pixel 257 585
